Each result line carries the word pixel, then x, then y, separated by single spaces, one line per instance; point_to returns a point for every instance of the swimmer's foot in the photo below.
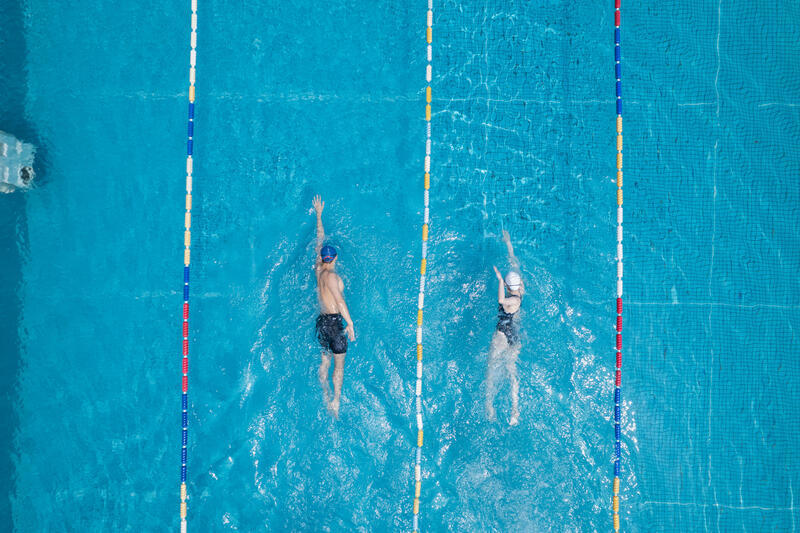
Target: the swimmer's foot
pixel 514 420
pixel 333 407
pixel 491 414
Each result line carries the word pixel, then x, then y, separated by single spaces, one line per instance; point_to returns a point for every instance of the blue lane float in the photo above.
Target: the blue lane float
pixel 187 239
pixel 618 347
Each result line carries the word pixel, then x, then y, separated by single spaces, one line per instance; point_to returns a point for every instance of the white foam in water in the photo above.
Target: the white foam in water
pixel 15 157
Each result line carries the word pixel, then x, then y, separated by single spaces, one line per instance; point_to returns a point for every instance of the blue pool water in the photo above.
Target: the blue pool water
pixel 327 97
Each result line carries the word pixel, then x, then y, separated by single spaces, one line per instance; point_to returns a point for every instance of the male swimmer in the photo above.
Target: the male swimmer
pixel 505 347
pixel 331 329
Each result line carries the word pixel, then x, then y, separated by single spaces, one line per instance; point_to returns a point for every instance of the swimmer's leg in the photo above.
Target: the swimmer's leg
pixel 338 377
pixel 323 377
pixel 498 346
pixel 511 366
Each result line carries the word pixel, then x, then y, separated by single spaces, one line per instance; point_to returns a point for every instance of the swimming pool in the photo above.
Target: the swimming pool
pixel 327 98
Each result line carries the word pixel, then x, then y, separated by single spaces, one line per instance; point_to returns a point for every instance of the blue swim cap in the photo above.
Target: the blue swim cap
pixel 328 253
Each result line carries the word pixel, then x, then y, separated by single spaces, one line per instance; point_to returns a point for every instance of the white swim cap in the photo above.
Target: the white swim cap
pixel 513 280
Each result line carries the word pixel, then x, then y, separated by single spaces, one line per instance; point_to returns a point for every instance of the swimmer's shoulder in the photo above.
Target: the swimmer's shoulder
pixel 511 304
pixel 329 277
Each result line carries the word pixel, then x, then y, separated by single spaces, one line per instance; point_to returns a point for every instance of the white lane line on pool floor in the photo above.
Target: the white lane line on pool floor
pixel 719 506
pixel 768 104
pixel 709 484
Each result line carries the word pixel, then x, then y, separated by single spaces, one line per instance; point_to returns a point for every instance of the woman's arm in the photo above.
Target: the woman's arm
pixel 511 257
pixel 513 260
pixel 501 288
pixel 510 305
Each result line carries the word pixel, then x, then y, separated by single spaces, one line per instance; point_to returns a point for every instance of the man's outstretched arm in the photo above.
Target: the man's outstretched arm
pixel 319 205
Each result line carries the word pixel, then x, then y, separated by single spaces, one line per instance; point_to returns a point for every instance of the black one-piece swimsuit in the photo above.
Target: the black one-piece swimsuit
pixel 508 325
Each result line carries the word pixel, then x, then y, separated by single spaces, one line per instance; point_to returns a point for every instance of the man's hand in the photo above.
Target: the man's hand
pixel 506 237
pixel 318 204
pixel 351 333
pixel 499 275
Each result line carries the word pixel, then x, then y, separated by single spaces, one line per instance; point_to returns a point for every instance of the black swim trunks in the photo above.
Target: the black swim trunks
pixel 507 325
pixel 330 332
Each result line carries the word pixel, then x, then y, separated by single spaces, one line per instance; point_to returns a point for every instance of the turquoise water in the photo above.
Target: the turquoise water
pixel 327 98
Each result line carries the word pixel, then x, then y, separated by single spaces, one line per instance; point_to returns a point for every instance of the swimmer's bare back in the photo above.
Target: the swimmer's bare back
pixel 329 289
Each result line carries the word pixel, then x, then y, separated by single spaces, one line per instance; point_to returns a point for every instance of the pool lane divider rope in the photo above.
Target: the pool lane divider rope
pixel 618 349
pixel 423 265
pixel 187 239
